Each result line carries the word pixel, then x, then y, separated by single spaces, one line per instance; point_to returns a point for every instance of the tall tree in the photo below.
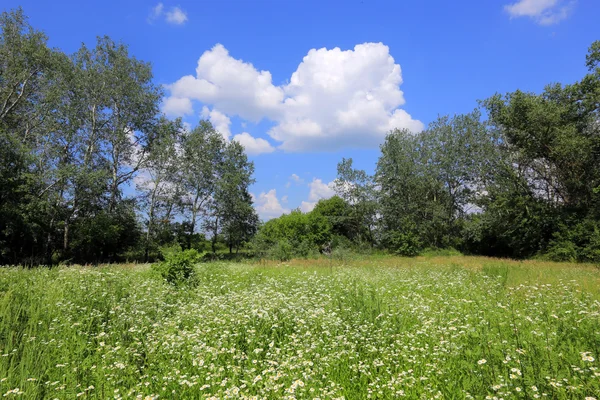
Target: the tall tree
pixel 159 182
pixel 202 154
pixel 357 189
pixel 232 200
pixel 29 71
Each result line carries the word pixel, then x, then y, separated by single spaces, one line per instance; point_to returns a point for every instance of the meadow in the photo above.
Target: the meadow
pixel 378 328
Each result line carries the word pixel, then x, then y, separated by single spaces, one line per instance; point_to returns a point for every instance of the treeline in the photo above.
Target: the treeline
pixel 523 183
pixel 81 133
pixel 90 171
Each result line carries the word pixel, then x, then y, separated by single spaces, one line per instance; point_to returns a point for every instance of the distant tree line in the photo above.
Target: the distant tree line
pixel 523 183
pixel 90 171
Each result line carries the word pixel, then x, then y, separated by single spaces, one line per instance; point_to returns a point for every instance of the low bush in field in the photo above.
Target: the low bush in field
pixel 178 265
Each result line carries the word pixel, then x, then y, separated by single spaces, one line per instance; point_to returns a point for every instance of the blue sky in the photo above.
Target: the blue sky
pixel 304 83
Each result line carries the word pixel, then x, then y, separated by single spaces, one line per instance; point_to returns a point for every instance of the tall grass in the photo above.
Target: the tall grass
pixel 452 327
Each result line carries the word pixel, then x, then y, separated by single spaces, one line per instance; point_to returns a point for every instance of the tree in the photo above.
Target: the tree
pixel 340 215
pixel 551 146
pixel 357 189
pixel 232 200
pixel 298 229
pixel 28 97
pixel 159 183
pixel 202 154
pixel 406 194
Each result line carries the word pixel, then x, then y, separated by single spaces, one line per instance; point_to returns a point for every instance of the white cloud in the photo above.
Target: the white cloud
pixel 219 121
pixel 268 206
pixel 296 178
pixel 176 16
pixel 307 206
pixel 230 85
pixel 284 199
pixel 254 146
pixel 177 106
pixel 157 10
pixel 334 99
pixel 222 123
pixel 544 12
pixel 318 190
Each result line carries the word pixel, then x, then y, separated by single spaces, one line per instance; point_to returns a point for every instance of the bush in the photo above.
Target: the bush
pixel 580 242
pixel 281 251
pixel 178 265
pixel 306 249
pixel 404 244
pixel 562 250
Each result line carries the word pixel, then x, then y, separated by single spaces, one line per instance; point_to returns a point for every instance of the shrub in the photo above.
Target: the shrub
pixel 580 242
pixel 282 251
pixel 178 265
pixel 404 244
pixel 562 250
pixel 306 249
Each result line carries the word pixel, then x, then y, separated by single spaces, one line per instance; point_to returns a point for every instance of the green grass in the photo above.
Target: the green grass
pixel 447 327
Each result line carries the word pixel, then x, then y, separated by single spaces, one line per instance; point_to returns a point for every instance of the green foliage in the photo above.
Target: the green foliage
pixel 178 266
pixel 403 243
pixel 297 227
pixel 357 189
pixel 578 243
pixel 282 250
pixel 76 130
pixel 340 215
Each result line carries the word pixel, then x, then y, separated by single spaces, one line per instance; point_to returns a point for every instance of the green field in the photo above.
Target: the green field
pixel 448 328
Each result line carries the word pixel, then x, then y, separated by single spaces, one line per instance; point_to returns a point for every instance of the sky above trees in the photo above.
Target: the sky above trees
pixel 301 84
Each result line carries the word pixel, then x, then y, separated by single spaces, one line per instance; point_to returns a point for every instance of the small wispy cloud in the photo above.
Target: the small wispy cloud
pixel 174 15
pixel 544 12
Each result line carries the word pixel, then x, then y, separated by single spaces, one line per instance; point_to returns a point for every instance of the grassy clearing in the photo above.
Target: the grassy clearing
pixel 382 327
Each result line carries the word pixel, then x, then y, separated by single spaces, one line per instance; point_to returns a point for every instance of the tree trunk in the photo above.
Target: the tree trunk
pixel 214 238
pixel 49 246
pixel 150 223
pixel 66 236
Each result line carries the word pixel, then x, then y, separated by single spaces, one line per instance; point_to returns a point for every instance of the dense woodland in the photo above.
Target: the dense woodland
pixel 90 171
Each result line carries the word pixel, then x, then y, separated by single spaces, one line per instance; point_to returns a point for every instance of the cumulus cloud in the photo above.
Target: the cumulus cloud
pixel 177 106
pixel 544 12
pixel 335 98
pixel 222 124
pixel 254 146
pixel 175 15
pixel 230 85
pixel 307 206
pixel 318 190
pixel 219 121
pixel 268 206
